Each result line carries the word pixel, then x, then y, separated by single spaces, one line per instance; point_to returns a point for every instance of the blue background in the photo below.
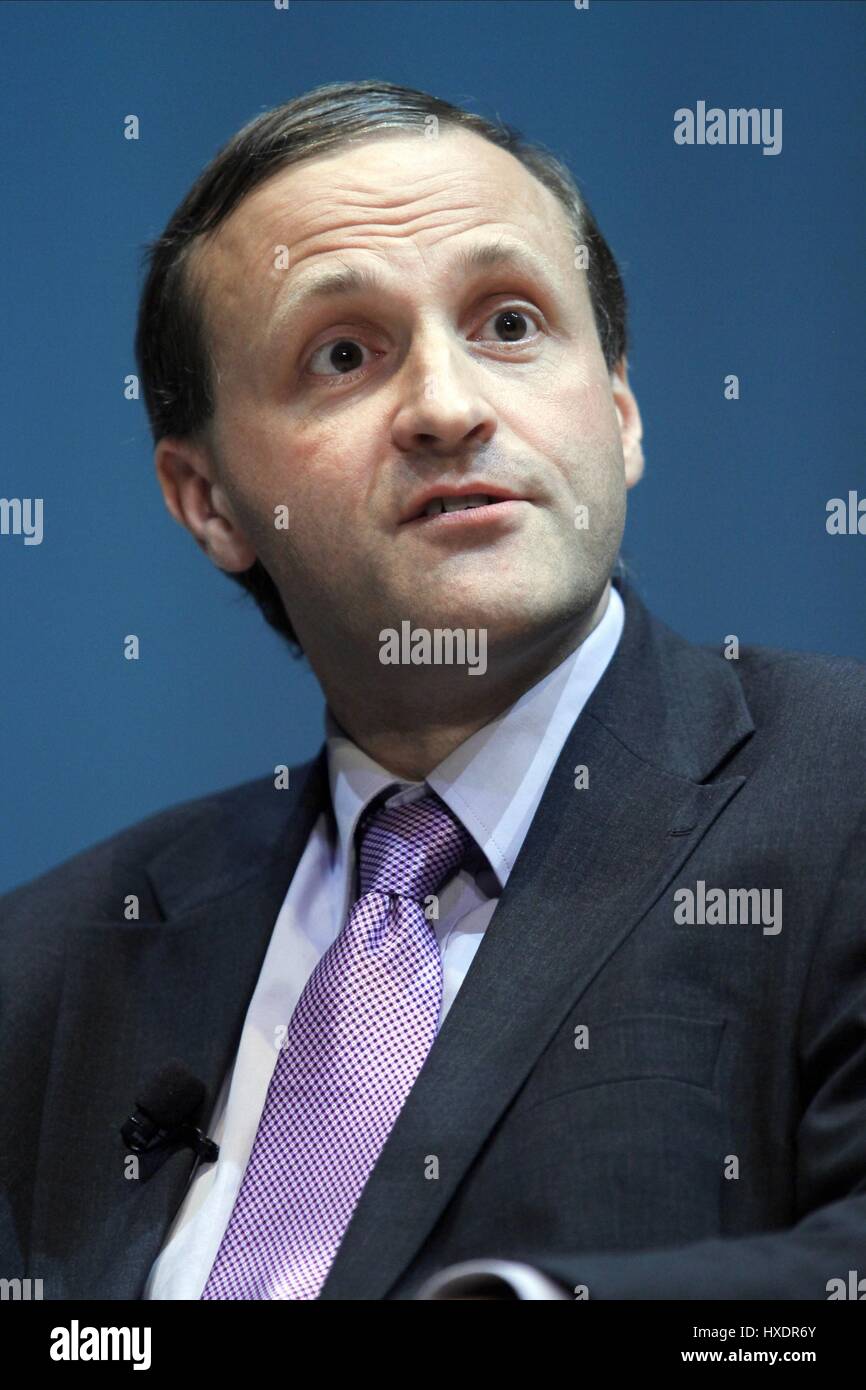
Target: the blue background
pixel 734 262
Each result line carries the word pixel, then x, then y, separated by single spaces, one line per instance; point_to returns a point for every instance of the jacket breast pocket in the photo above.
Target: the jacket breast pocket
pixel 620 1142
pixel 632 1047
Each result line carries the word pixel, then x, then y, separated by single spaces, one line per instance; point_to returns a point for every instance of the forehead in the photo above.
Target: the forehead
pixel 399 197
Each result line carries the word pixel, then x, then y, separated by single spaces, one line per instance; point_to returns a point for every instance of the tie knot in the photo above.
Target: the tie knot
pixel 411 849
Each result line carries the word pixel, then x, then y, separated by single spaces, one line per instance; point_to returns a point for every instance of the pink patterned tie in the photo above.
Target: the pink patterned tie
pixel 357 1040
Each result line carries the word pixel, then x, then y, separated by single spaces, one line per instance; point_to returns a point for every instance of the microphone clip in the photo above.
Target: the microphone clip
pixel 142 1136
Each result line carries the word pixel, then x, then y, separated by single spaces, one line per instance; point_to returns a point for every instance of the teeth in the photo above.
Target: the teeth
pixel 456 504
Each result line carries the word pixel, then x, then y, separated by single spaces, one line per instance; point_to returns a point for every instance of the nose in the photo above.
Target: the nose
pixel 442 408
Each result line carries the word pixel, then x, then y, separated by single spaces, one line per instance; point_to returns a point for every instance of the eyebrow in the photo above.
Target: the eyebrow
pixel 323 285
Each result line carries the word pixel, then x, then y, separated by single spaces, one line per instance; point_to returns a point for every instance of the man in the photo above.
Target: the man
pixel 547 976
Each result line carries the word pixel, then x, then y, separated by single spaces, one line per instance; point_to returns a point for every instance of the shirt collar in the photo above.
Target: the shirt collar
pixel 495 779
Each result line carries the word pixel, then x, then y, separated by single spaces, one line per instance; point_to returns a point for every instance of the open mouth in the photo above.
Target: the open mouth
pixel 457 504
pixel 468 506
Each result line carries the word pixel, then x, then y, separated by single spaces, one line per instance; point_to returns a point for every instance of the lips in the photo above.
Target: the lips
pixel 434 502
pixel 456 504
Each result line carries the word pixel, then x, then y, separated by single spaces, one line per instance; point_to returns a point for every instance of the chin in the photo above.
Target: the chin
pixel 506 629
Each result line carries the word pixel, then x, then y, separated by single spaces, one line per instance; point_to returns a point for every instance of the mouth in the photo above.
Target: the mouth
pixel 477 506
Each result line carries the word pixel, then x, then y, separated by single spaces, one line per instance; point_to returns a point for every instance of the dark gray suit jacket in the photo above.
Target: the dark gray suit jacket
pixel 710 1142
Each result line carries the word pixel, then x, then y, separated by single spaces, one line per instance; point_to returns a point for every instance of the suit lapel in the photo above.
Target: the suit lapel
pixel 593 863
pixel 178 989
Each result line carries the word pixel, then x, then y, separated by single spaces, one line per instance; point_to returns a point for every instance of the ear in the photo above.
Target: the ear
pixel 196 501
pixel 630 426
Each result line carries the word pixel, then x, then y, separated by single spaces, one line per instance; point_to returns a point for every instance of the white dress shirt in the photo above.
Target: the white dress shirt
pixel 492 783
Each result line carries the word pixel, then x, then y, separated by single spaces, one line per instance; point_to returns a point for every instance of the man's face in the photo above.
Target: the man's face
pixel 464 360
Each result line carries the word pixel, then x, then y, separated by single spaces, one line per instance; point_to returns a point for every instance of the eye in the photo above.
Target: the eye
pixel 343 355
pixel 512 325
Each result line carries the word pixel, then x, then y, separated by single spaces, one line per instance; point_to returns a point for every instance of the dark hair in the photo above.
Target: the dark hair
pixel 171 343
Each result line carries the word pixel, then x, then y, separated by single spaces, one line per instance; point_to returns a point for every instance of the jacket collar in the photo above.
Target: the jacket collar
pixel 677 706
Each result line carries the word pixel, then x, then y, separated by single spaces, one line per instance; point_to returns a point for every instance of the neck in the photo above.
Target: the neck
pixel 412 719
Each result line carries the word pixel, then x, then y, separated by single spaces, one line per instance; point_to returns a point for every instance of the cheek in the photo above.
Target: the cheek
pixel 319 475
pixel 574 405
pixel 577 430
pixel 590 459
pixel 591 410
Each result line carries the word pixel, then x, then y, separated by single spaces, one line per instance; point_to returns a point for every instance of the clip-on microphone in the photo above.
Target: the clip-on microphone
pixel 162 1119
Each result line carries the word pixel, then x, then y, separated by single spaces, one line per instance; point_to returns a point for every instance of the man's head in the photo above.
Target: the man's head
pixel 471 336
